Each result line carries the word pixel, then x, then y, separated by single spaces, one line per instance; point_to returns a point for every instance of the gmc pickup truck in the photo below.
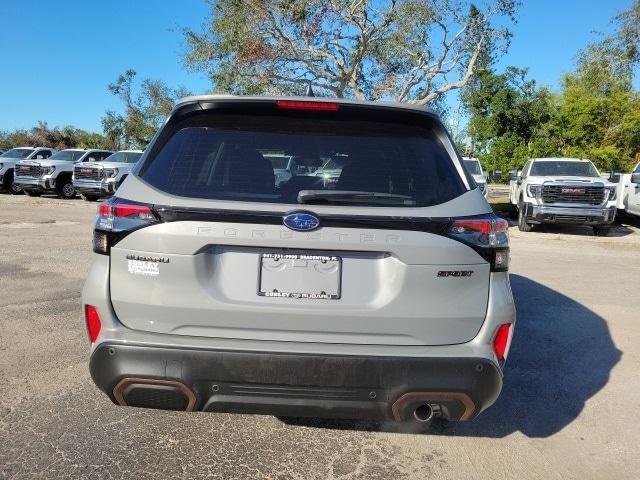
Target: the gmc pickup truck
pixel 562 191
pixel 474 167
pixel 102 178
pixel 8 162
pixel 54 174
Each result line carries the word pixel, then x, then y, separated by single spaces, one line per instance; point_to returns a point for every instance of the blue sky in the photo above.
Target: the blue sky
pixel 57 57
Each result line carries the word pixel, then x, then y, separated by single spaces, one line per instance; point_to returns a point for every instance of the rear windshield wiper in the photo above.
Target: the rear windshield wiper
pixel 322 196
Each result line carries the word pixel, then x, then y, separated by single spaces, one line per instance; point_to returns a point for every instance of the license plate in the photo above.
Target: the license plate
pixel 302 276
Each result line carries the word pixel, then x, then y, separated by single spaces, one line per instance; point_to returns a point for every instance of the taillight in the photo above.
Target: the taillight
pixel 116 219
pixel 501 341
pixel 92 319
pixel 486 234
pixel 308 105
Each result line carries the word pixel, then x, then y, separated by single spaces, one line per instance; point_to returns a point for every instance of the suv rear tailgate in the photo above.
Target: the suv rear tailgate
pixel 391 292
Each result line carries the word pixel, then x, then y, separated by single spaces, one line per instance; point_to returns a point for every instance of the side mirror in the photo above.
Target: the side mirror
pixel 519 177
pixel 513 175
pixel 635 178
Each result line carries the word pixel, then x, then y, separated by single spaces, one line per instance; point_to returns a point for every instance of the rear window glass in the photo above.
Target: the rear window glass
pixel 473 167
pixel 273 159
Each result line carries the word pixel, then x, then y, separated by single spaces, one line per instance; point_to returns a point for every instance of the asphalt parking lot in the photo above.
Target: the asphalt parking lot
pixel 569 408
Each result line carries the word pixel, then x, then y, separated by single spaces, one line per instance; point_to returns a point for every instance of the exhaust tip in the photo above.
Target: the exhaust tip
pixel 424 413
pixel 154 393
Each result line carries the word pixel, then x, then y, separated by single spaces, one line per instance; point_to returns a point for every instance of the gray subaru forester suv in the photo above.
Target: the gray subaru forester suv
pixel 383 295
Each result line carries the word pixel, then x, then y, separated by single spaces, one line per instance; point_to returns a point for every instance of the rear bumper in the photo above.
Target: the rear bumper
pixel 569 215
pixel 37 184
pixel 94 187
pixel 293 384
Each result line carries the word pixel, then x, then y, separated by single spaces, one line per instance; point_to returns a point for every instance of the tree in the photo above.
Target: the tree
pixel 506 112
pixel 60 138
pixel 598 115
pixel 407 50
pixel 144 111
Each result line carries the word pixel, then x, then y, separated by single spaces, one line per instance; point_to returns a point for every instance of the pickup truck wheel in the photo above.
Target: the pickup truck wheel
pixel 89 197
pixel 32 193
pixel 65 189
pixel 523 226
pixel 601 231
pixel 11 186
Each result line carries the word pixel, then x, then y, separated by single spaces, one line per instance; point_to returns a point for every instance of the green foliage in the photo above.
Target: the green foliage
pixel 144 111
pixel 596 115
pixel 506 110
pixel 60 138
pixel 409 50
pixel 505 153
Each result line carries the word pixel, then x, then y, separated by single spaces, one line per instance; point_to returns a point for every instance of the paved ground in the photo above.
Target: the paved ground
pixel 569 408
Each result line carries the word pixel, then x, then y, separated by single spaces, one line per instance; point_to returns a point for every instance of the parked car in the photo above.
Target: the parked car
pixel 331 170
pixel 628 192
pixel 102 178
pixel 387 297
pixel 8 161
pixel 284 167
pixel 55 173
pixel 479 175
pixel 562 191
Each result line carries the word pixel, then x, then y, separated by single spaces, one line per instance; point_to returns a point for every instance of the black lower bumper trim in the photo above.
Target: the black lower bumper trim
pixel 354 387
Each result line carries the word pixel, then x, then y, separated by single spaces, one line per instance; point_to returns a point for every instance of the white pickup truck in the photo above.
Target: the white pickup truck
pixel 629 192
pixel 562 191
pixel 479 175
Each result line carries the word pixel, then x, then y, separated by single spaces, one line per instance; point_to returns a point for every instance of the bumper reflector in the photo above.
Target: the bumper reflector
pixel 92 319
pixel 501 341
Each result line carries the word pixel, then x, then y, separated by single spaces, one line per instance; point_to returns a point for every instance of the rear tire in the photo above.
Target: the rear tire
pixel 523 226
pixel 32 193
pixel 88 197
pixel 65 189
pixel 601 231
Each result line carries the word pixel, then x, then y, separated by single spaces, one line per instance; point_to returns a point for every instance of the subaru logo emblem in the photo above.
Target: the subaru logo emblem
pixel 301 221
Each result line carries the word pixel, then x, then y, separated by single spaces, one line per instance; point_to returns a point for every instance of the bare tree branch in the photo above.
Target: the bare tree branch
pixel 410 50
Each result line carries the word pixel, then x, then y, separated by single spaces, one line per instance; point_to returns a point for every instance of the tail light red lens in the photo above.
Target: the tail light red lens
pixel 308 105
pixel 501 341
pixel 117 218
pixel 94 324
pixel 486 234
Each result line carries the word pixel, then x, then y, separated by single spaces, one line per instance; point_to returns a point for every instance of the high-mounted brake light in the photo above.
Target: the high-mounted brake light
pixel 501 341
pixel 307 105
pixel 93 322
